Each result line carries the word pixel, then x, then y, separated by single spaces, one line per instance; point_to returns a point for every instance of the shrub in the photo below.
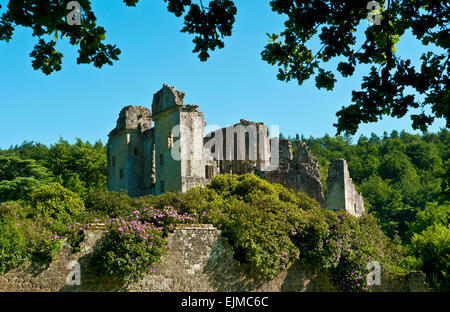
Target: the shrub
pixel 268 226
pixel 431 247
pixel 13 247
pixel 56 201
pixel 45 246
pixel 112 204
pixel 23 239
pixel 131 248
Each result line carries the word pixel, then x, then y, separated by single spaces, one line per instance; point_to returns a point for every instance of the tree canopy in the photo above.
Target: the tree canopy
pixel 393 86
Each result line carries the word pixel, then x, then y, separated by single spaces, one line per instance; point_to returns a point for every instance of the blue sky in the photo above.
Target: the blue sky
pixel 83 101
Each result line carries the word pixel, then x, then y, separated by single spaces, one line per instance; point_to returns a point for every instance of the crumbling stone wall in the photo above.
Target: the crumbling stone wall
pixel 298 169
pixel 199 259
pixel 240 148
pixel 341 192
pixel 38 277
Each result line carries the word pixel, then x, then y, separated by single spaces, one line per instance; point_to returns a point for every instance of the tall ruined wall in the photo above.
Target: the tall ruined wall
pixel 199 259
pixel 191 143
pixel 341 192
pixel 298 169
pixel 240 148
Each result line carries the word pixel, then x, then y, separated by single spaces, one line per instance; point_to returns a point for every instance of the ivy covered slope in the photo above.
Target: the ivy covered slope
pixel 268 226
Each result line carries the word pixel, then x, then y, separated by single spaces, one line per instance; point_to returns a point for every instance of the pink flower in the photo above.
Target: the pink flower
pixel 120 229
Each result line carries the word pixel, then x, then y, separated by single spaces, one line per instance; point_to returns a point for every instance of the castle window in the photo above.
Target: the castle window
pixel 162 186
pixel 135 151
pixel 114 161
pixel 121 174
pixel 208 172
pixel 170 141
pixel 161 159
pixel 247 146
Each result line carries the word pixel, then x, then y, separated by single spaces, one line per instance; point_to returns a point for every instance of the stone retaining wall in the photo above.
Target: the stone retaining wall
pixel 199 259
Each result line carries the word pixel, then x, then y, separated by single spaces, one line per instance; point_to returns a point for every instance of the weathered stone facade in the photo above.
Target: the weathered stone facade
pixel 199 259
pixel 298 169
pixel 140 158
pixel 174 155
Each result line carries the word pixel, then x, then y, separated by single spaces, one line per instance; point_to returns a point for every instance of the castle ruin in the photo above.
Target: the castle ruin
pixel 174 155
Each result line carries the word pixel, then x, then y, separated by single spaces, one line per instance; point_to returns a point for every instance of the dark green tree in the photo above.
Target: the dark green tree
pixel 18 177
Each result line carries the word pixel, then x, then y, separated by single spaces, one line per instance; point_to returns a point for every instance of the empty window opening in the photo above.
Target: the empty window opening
pixel 208 172
pixel 170 141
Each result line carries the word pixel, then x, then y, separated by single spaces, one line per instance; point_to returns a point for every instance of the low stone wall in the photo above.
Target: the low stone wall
pixel 199 259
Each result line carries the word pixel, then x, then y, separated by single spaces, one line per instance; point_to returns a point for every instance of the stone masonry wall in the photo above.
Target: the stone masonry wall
pixel 199 259
pixel 341 192
pixel 298 169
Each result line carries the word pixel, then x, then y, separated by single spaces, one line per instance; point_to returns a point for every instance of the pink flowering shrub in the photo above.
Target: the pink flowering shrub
pixel 23 239
pixel 132 246
pixel 45 247
pixel 136 241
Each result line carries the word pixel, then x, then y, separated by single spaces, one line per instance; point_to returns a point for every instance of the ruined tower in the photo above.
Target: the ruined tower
pixel 152 160
pixel 178 139
pixel 341 193
pixel 127 155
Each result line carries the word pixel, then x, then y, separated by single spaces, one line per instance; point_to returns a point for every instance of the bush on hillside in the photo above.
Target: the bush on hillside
pixel 57 202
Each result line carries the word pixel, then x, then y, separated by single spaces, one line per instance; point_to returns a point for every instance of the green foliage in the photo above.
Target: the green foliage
pixel 23 239
pixel 268 226
pixel 81 167
pixel 432 249
pixel 13 246
pixel 397 174
pixel 131 249
pixel 433 214
pixel 112 204
pixel 402 177
pixel 55 201
pixel 19 177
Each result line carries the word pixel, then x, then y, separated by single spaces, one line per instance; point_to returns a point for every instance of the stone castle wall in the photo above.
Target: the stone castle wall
pixel 199 259
pixel 341 192
pixel 298 170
